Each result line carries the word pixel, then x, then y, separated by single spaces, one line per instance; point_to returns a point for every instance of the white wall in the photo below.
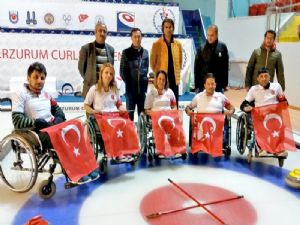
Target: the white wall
pixel 244 34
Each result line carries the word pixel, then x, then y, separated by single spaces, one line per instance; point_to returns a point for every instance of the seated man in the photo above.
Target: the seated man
pixel 33 108
pixel 264 93
pixel 210 101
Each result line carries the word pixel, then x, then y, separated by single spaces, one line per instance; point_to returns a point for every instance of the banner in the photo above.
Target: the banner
pixel 60 54
pixel 73 148
pixel 272 127
pixel 84 15
pixel 169 136
pixel 207 133
pixel 119 134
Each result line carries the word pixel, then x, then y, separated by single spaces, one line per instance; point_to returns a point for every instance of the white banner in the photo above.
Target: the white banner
pixel 60 53
pixel 84 15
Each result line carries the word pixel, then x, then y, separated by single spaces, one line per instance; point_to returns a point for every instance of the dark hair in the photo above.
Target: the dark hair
pixel 207 76
pixel 166 20
pixel 166 77
pixel 135 29
pixel 36 66
pixel 270 32
pixel 263 70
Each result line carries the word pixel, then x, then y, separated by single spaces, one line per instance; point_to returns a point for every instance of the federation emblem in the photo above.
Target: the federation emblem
pixel 160 15
pixel 49 18
pixel 13 16
pixel 83 17
pixel 31 18
pixel 125 21
pixel 67 18
pixel 99 19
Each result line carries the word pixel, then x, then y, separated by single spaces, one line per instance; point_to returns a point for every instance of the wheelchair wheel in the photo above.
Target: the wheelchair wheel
pixel 142 132
pixel 93 137
pixel 18 163
pixel 241 133
pixel 46 189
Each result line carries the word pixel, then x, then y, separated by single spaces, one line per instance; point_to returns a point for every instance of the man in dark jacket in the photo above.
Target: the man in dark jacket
pixel 133 70
pixel 266 56
pixel 213 58
pixel 93 55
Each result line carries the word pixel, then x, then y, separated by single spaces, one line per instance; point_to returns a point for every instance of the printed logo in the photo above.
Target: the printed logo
pixel 67 19
pixel 125 21
pixel 49 18
pixel 31 18
pixel 160 15
pixel 82 17
pixel 184 58
pixel 99 19
pixel 13 16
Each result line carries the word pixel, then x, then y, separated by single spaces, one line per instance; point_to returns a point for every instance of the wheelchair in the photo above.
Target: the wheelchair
pixel 245 138
pixel 226 134
pixel 99 148
pixel 147 144
pixel 22 158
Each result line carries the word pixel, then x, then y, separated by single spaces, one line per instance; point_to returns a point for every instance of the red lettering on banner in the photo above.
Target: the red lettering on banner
pixel 52 55
pixel 43 55
pixel 26 53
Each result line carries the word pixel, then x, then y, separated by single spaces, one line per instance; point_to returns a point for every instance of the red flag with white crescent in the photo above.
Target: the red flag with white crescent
pixel 119 134
pixel 169 136
pixel 272 127
pixel 207 133
pixel 73 148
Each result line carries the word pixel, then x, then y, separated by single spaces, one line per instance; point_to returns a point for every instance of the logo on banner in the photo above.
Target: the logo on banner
pixel 83 17
pixel 160 15
pixel 184 58
pixel 67 18
pixel 13 16
pixel 49 18
pixel 31 18
pixel 125 21
pixel 99 19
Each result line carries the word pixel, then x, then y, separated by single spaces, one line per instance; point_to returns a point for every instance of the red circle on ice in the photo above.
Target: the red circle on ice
pixel 234 212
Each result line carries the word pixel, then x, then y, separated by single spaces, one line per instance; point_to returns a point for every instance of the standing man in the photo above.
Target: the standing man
pixel 212 57
pixel 266 56
pixel 93 55
pixel 133 70
pixel 166 55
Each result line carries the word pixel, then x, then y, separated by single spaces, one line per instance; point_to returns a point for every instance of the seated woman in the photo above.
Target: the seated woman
pixel 161 97
pixel 104 97
pixel 33 107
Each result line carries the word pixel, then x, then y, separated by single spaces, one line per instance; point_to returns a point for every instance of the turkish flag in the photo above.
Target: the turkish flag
pixel 272 127
pixel 73 148
pixel 207 133
pixel 118 133
pixel 168 132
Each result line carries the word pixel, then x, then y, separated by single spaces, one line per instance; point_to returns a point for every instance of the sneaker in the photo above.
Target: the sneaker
pixel 262 153
pixel 83 180
pixel 121 159
pixel 283 154
pixel 161 156
pixel 178 155
pixel 94 175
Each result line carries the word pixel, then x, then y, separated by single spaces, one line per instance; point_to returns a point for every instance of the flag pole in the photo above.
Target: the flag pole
pixel 198 203
pixel 157 214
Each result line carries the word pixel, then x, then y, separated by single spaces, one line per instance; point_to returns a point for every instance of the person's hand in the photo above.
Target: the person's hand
pixel 58 120
pixel 41 124
pixel 226 88
pixel 123 113
pixel 247 88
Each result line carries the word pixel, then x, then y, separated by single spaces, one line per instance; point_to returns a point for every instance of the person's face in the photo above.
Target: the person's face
pixel 211 35
pixel 100 33
pixel 136 39
pixel 36 81
pixel 269 40
pixel 263 79
pixel 107 76
pixel 161 81
pixel 210 86
pixel 168 29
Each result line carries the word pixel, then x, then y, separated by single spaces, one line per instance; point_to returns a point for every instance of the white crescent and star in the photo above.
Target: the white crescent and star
pixel 162 118
pixel 272 116
pixel 119 132
pixel 63 134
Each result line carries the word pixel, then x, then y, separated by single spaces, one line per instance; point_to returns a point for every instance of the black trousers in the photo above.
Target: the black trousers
pixel 133 100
